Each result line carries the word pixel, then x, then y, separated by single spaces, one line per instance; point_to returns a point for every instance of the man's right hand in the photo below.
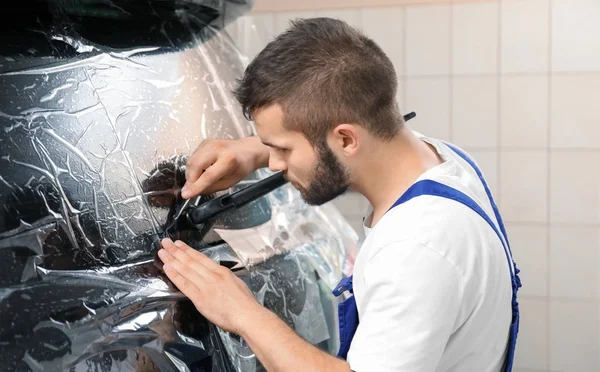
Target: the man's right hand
pixel 219 164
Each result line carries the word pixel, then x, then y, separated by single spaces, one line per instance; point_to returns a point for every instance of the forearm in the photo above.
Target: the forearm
pixel 279 349
pixel 259 151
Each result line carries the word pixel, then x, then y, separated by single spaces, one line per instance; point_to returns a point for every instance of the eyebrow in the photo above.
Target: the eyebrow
pixel 266 143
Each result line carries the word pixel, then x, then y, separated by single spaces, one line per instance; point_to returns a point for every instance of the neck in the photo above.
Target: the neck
pixel 391 168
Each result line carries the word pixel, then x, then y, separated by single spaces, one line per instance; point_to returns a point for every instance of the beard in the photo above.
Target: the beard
pixel 330 178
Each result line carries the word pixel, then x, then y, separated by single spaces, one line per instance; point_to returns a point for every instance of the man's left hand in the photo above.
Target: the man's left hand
pixel 216 292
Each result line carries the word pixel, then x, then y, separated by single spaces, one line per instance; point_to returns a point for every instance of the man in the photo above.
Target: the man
pixel 434 285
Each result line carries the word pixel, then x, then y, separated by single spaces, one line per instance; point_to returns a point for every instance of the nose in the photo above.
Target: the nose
pixel 276 162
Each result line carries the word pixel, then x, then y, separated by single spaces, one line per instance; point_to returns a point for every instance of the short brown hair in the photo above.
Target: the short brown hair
pixel 323 73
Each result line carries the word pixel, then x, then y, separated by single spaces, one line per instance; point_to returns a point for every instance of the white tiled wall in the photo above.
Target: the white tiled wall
pixel 575 30
pixel 427 40
pixel 517 84
pixel 474 111
pixel 524 111
pixel 422 93
pixel 474 33
pixel 524 36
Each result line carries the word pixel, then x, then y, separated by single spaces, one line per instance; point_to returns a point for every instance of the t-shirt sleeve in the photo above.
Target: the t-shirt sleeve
pixel 409 309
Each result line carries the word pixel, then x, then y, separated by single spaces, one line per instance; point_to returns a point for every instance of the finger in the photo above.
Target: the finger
pixel 172 252
pixel 196 256
pixel 221 185
pixel 185 279
pixel 211 175
pixel 194 168
pixel 201 159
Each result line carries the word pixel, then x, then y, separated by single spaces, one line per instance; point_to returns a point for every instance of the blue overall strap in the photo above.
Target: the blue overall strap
pixel 344 285
pixel 514 270
pixel 513 267
pixel 347 316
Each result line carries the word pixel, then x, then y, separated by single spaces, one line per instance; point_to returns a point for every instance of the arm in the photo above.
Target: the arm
pixel 409 309
pixel 226 301
pixel 280 349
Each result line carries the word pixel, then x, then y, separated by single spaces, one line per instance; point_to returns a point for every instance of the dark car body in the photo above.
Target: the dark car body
pixel 100 104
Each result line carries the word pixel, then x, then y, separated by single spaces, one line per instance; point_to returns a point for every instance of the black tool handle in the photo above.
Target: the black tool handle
pixel 223 203
pixel 257 189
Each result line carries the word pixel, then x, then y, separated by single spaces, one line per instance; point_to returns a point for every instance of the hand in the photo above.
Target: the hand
pixel 219 295
pixel 219 164
pixel 227 302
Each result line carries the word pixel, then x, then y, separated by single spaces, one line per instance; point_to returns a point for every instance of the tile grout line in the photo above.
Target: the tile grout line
pixel 404 58
pixel 560 299
pixel 543 149
pixel 508 74
pixel 451 72
pixel 499 104
pixel 548 189
pixel 414 3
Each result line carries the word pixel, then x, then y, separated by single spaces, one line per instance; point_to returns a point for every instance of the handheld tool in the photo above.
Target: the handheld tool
pixel 215 207
pixel 197 216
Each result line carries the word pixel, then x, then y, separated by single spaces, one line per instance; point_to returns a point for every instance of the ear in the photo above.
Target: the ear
pixel 346 138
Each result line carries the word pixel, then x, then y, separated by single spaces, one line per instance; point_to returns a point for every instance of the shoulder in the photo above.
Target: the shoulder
pixel 429 221
pixel 410 264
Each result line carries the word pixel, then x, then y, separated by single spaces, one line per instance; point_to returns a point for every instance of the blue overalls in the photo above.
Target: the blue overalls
pixel 347 311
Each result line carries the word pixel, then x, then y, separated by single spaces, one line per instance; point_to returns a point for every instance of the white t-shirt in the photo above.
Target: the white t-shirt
pixel 432 283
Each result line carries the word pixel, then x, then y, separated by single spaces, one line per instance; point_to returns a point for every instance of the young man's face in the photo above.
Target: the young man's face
pixel 315 171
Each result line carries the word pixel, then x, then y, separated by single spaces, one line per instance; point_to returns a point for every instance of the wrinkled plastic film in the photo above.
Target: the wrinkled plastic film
pixel 99 108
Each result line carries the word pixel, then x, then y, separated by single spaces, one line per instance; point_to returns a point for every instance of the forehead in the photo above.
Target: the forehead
pixel 269 120
pixel 269 125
